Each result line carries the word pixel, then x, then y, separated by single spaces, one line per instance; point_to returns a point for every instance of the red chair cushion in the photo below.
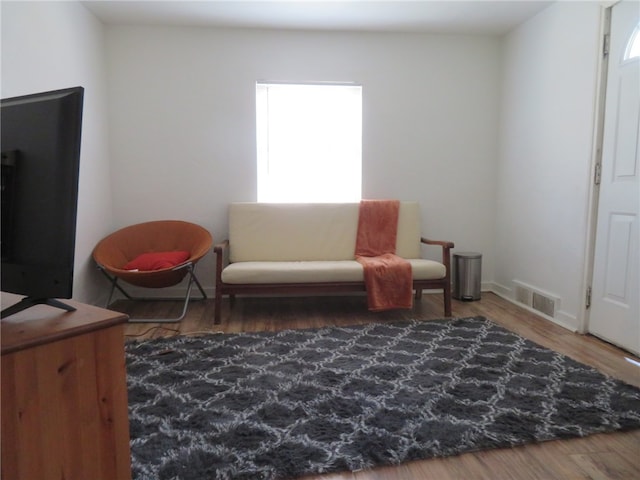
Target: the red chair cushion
pixel 157 260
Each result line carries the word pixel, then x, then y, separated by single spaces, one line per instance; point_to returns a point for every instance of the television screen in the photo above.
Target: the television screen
pixel 40 165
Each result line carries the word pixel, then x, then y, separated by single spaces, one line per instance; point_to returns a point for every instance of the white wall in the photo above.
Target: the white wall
pixel 182 121
pixel 492 136
pixel 546 131
pixel 53 45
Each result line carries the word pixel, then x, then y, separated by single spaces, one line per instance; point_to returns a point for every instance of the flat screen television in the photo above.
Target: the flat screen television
pixel 40 165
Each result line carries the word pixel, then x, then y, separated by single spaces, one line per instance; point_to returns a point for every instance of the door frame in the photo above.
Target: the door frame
pixel 596 160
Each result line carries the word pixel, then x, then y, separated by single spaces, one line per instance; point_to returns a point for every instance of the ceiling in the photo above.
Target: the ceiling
pixel 436 16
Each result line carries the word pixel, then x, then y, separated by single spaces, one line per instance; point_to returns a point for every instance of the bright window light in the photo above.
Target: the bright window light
pixel 309 140
pixel 633 47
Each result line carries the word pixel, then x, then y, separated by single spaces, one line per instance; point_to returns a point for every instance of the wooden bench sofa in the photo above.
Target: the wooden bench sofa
pixel 309 248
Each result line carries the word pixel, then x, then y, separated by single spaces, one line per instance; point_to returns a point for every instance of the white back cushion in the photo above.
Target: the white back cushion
pixel 304 232
pixel 409 230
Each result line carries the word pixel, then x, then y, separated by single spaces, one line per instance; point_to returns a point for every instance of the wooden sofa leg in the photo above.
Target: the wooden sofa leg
pixel 217 308
pixel 447 301
pixel 418 295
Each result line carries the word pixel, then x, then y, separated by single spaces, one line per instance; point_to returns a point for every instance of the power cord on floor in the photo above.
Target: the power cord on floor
pixel 201 332
pixel 136 335
pixel 175 331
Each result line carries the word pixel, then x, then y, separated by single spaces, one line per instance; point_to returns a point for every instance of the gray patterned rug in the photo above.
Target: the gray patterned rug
pixel 284 404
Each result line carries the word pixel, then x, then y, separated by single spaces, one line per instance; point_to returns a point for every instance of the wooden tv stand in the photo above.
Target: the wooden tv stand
pixel 64 394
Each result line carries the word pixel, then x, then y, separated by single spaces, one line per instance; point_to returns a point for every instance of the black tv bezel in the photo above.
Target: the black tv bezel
pixel 40 262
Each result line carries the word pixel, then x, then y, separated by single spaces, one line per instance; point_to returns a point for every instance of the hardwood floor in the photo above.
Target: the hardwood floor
pixel 602 456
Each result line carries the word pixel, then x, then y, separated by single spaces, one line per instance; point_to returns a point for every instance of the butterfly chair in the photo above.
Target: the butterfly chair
pixel 155 254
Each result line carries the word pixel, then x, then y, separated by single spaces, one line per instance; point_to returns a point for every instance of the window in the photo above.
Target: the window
pixel 633 47
pixel 309 142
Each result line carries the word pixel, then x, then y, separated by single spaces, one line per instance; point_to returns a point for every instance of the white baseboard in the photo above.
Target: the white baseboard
pixel 562 318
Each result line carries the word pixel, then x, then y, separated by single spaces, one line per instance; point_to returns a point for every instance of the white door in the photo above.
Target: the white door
pixel 615 312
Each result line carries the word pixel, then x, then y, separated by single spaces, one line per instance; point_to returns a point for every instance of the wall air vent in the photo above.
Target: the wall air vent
pixel 524 295
pixel 535 299
pixel 544 304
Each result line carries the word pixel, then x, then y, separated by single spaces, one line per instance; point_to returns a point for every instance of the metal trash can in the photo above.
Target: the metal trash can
pixel 467 272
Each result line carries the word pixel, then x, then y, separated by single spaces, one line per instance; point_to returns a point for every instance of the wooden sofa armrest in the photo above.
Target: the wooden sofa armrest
pixel 446 261
pixel 221 251
pixel 446 250
pixel 446 246
pixel 442 243
pixel 220 247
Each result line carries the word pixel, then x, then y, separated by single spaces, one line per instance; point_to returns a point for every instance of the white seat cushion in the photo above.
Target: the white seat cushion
pixel 316 271
pixel 423 269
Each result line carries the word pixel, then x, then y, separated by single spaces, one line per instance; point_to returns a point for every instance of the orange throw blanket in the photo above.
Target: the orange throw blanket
pixel 388 277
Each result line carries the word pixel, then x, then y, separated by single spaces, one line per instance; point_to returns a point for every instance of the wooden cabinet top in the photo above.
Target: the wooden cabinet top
pixel 43 324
